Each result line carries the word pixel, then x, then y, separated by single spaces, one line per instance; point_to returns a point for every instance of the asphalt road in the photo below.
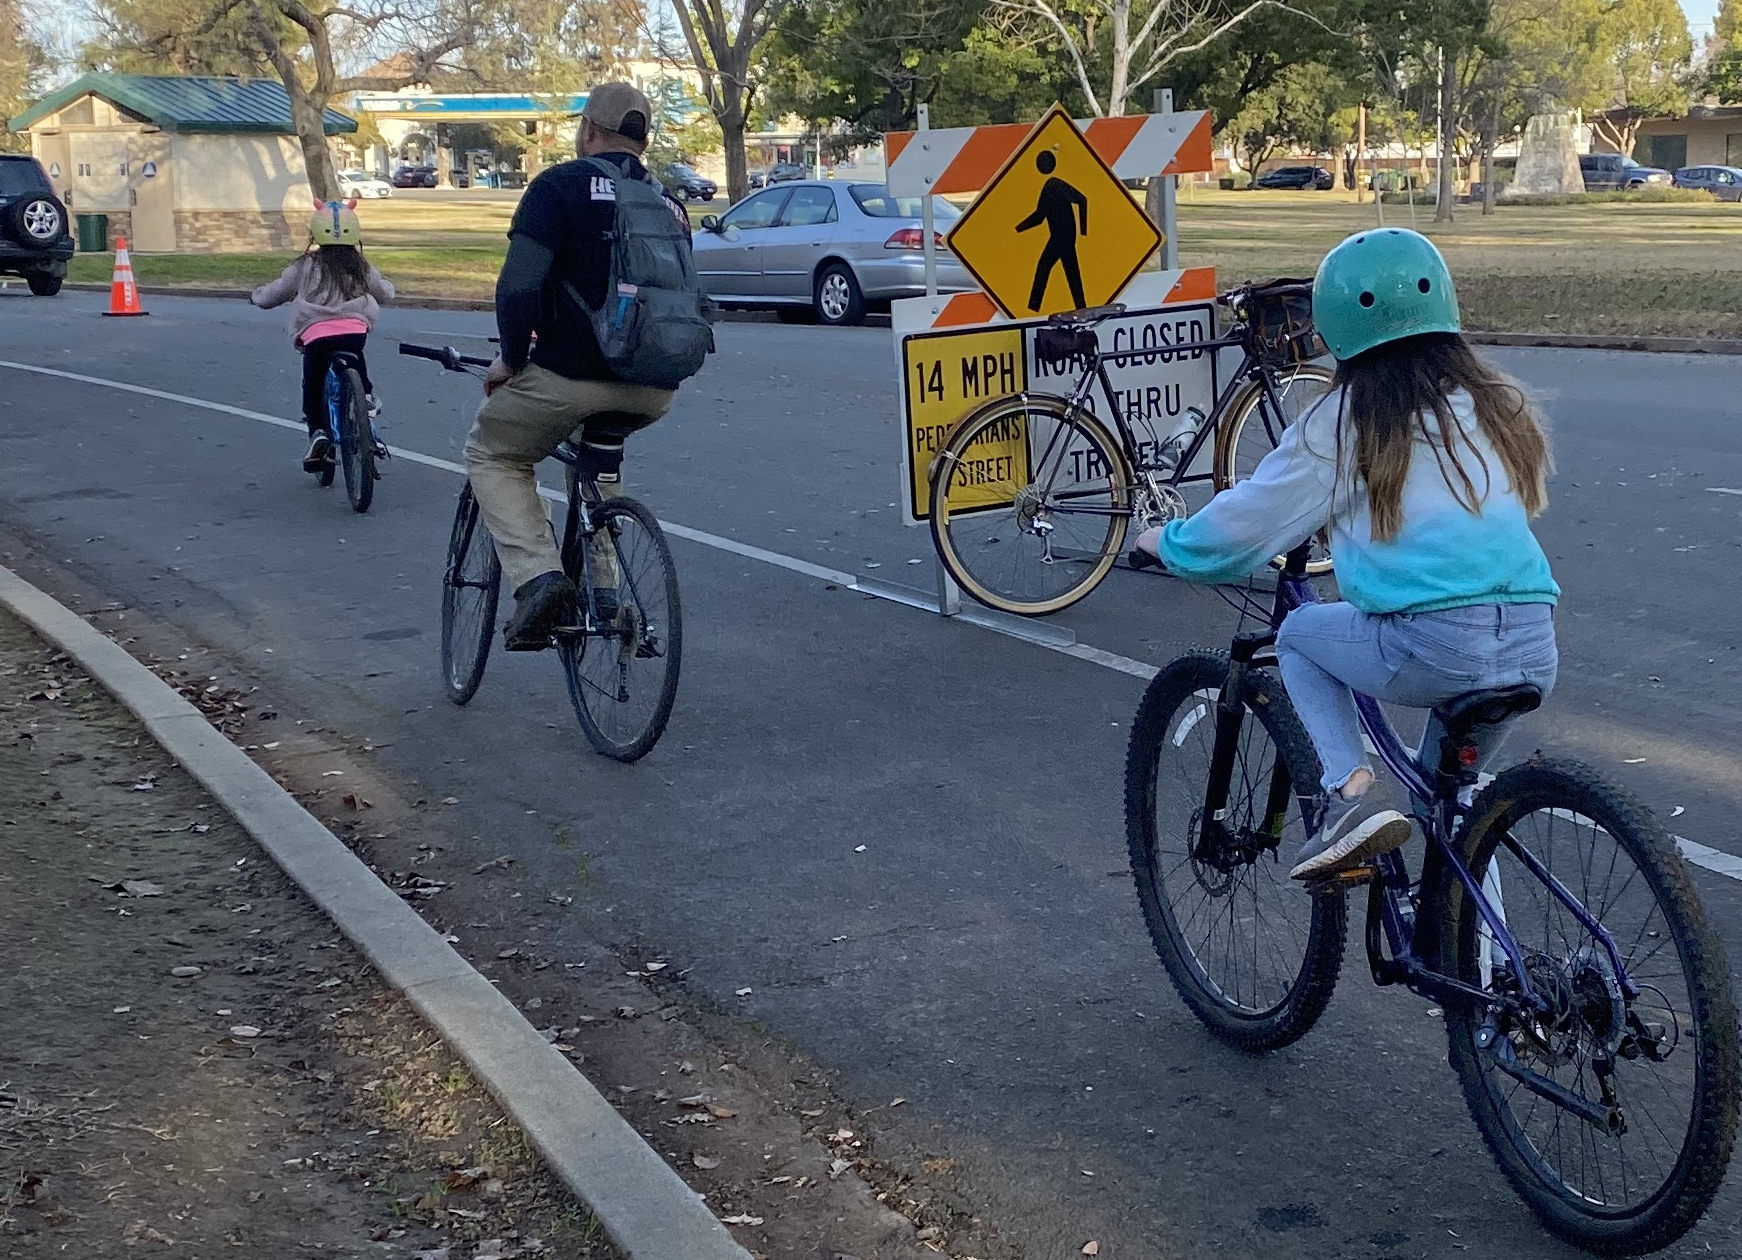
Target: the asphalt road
pixel 982 956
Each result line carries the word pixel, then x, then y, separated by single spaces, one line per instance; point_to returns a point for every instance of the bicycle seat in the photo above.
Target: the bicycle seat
pixel 1489 707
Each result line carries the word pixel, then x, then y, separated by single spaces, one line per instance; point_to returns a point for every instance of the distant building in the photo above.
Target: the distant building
pixel 1710 135
pixel 178 163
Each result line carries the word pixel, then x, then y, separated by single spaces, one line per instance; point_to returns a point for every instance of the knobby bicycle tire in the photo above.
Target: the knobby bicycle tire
pixel 1196 679
pixel 471 559
pixel 1561 789
pixel 1004 547
pixel 356 445
pixel 615 516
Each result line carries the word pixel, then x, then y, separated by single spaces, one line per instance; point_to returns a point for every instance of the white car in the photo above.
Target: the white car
pixel 363 184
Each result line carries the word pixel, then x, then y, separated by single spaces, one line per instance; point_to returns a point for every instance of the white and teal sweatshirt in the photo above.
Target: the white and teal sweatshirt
pixel 1445 556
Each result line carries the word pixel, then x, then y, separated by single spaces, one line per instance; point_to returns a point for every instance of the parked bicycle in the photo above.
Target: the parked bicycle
pixel 624 649
pixel 355 444
pixel 1586 997
pixel 1032 495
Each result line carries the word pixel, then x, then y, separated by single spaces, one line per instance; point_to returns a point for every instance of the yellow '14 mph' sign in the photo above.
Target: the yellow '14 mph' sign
pixel 947 374
pixel 1054 230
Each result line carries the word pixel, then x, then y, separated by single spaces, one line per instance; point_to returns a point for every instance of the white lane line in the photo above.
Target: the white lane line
pixel 1053 640
pixel 1722 490
pixel 1700 855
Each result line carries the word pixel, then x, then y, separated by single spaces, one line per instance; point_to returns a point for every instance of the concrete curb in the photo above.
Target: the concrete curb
pixel 645 1208
pixel 1553 341
pixel 1580 341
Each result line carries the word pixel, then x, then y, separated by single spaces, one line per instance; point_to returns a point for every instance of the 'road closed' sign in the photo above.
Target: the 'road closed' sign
pixel 1161 393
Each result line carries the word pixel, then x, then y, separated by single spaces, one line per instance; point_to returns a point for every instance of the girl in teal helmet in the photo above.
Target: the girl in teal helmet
pixel 1424 465
pixel 335 297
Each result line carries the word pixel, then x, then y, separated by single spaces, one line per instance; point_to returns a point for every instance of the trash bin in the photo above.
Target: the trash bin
pixel 93 233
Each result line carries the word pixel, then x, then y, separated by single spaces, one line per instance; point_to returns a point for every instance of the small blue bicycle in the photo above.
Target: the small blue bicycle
pixel 355 444
pixel 1586 997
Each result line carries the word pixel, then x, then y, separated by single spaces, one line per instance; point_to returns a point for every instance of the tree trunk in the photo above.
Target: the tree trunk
pixel 309 117
pixel 1444 185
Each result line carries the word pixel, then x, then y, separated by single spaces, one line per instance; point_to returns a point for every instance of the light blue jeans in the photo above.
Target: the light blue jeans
pixel 1419 660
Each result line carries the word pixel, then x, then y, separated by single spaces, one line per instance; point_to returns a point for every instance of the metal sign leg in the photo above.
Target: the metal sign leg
pixel 949 594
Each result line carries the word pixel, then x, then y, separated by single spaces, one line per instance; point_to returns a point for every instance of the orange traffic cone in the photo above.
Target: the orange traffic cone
pixel 123 292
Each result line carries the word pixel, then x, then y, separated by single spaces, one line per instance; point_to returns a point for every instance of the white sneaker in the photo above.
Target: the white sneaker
pixel 1350 833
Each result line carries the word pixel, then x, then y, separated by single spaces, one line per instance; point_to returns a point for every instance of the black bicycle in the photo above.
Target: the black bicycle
pixel 624 646
pixel 355 445
pixel 1586 995
pixel 1032 495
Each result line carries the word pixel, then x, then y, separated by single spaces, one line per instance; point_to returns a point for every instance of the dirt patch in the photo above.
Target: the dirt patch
pixel 194 1062
pixel 749 1122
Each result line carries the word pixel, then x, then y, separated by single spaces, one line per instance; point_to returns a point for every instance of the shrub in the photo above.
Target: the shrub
pixel 1652 194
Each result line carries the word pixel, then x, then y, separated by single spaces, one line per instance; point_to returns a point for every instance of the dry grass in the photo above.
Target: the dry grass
pixel 1635 269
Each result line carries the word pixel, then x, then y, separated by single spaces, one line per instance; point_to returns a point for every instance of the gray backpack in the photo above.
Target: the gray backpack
pixel 653 325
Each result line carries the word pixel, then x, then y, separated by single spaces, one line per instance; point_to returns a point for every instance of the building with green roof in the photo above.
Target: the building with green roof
pixel 178 162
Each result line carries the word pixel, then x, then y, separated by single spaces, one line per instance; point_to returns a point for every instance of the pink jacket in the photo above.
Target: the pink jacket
pixel 297 286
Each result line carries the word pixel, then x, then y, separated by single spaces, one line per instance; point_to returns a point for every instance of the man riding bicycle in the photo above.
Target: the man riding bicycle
pixel 551 375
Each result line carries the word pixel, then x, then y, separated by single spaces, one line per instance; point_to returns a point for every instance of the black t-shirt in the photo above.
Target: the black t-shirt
pixel 571 209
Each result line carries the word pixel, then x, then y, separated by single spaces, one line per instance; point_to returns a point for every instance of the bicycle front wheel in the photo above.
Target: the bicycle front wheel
pixel 1658 1068
pixel 471 586
pixel 1030 501
pixel 356 446
pixel 1250 952
pixel 623 667
pixel 1254 428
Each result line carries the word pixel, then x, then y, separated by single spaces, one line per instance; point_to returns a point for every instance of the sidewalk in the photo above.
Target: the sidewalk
pixel 194 1062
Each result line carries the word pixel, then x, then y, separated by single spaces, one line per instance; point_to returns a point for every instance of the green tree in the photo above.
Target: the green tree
pixel 1724 54
pixel 683 129
pixel 22 63
pixel 726 44
pixel 1649 51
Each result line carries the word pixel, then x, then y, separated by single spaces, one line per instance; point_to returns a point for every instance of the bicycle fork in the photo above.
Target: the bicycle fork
pixel 1214 837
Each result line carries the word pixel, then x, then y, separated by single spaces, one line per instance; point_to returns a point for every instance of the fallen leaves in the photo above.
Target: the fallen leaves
pixel 185 973
pixel 706 1163
pixel 742 1218
pixel 353 801
pixel 1091 1248
pixel 135 888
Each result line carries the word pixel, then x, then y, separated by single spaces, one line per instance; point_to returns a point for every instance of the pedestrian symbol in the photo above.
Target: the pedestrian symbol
pixel 1054 230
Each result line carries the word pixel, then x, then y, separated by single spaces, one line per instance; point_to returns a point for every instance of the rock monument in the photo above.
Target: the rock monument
pixel 1548 160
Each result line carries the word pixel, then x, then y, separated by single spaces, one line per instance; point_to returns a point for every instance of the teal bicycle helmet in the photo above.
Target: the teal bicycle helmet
pixel 1382 285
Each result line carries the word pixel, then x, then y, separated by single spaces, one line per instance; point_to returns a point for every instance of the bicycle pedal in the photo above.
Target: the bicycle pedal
pixel 1342 881
pixel 1140 560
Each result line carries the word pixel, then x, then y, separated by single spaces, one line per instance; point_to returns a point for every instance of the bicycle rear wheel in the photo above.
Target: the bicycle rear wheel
pixel 1030 503
pixel 1250 952
pixel 471 587
pixel 623 671
pixel 1666 1058
pixel 356 444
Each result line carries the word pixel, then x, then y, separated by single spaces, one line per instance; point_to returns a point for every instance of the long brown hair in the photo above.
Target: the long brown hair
pixel 341 273
pixel 1391 390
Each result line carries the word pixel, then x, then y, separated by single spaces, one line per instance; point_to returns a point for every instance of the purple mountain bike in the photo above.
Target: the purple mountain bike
pixel 1587 999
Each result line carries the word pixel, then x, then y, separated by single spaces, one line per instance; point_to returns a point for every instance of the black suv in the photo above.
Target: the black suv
pixel 687 185
pixel 34 241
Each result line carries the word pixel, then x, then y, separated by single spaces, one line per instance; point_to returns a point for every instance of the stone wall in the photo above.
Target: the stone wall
pixel 237 231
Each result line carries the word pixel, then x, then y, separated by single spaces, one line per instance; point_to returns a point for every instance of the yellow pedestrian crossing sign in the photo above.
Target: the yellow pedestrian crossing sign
pixel 1054 230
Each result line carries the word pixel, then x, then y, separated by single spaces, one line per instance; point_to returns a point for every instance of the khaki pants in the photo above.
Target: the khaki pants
pixel 521 424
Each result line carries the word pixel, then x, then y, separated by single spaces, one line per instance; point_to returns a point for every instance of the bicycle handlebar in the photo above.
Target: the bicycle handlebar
pixel 447 356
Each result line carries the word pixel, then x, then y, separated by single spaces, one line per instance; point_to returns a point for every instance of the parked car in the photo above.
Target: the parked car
pixel 818 249
pixel 1303 177
pixel 363 184
pixel 1616 172
pixel 34 240
pixel 758 178
pixel 687 185
pixel 1723 182
pixel 785 173
pixel 414 177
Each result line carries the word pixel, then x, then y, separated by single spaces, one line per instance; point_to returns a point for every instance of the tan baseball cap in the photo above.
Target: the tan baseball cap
pixel 614 107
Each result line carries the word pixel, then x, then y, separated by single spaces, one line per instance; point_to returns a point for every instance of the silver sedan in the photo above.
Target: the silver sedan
pixel 823 249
